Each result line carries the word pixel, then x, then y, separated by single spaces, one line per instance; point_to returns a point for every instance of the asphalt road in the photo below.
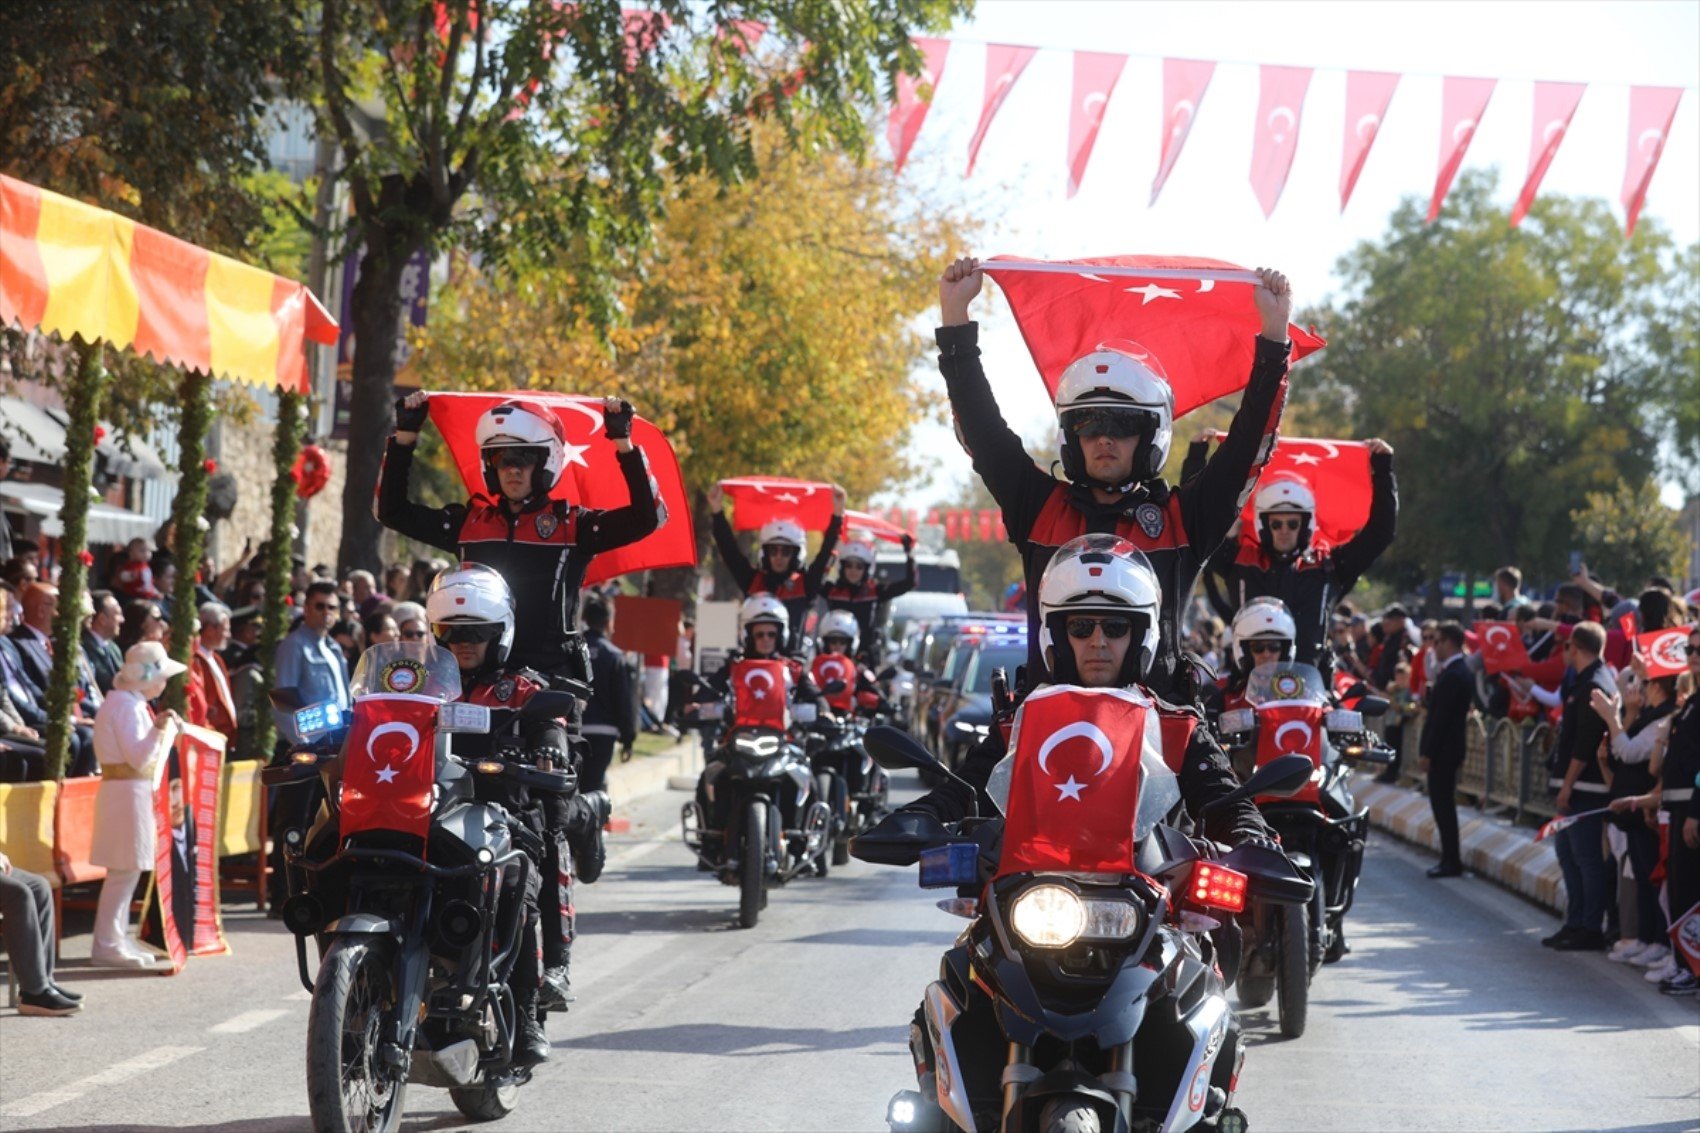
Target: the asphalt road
pixel 1447 1015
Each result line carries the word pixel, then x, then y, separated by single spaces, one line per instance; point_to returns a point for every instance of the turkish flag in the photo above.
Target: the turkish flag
pixel 759 694
pixel 1501 647
pixel 915 98
pixel 1184 84
pixel 867 525
pixel 1276 140
pixel 1555 106
pixel 1367 96
pixel 1651 111
pixel 1074 786
pixel 757 499
pixel 1095 76
pixel 1336 472
pixel 1462 102
pixel 389 765
pixel 832 667
pixel 1004 64
pixel 1198 333
pixel 1665 651
pixel 1291 728
pixel 592 476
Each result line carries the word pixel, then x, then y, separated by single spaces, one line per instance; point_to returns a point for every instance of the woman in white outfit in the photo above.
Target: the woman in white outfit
pixel 132 744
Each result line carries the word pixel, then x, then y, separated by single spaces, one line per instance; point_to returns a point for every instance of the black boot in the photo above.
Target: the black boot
pixel 557 989
pixel 589 852
pixel 531 1045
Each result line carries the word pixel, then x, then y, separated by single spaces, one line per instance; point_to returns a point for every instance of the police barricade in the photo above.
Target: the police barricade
pixel 1472 775
pixel 1533 795
pixel 1504 762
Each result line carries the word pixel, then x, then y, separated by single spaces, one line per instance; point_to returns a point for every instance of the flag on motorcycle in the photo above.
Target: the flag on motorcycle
pixel 389 765
pixel 758 499
pixel 1664 651
pixel 1291 728
pixel 828 667
pixel 1685 938
pixel 1337 474
pixel 1075 779
pixel 1501 647
pixel 759 694
pixel 1565 821
pixel 591 478
pixel 1199 332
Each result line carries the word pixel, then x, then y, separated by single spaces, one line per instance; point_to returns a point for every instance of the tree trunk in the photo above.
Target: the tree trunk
pixel 83 408
pixel 194 394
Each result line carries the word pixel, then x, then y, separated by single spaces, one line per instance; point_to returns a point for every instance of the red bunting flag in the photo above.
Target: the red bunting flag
pixel 1276 139
pixel 1095 76
pixel 1191 317
pixel 1664 651
pixel 1337 474
pixel 915 98
pixel 1367 96
pixel 1004 64
pixel 1184 84
pixel 1555 106
pixel 1462 102
pixel 950 526
pixel 758 499
pixel 1501 647
pixel 592 476
pixel 1651 111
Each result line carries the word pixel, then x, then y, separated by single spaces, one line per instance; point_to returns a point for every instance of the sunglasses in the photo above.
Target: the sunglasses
pixel 778 549
pixel 468 633
pixel 1255 647
pixel 321 606
pixel 1114 628
pixel 1118 423
pixel 835 642
pixel 764 634
pixel 517 458
pixel 1285 524
pixel 413 635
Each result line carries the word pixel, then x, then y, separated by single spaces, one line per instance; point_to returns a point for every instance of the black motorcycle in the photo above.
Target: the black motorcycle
pixel 412 889
pixel 855 788
pixel 1078 1001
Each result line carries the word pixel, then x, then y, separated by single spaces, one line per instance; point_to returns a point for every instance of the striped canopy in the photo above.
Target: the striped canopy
pixel 73 269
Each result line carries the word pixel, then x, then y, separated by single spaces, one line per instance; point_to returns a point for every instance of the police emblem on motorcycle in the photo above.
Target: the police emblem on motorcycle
pixel 546 524
pixel 504 689
pixel 1287 685
pixel 1150 519
pixel 402 676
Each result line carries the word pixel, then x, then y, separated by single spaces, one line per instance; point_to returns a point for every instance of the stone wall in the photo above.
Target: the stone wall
pixel 245 451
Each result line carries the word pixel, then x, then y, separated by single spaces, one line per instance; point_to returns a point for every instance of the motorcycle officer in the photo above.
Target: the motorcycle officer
pixel 838 660
pixel 1262 632
pixel 855 590
pixel 1115 414
pixel 778 571
pixel 471 613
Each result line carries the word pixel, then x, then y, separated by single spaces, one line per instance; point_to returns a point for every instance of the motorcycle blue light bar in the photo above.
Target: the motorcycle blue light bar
pixel 950 865
pixel 319 719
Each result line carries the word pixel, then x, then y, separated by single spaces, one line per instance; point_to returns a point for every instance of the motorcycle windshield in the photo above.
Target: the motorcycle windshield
pixel 1287 682
pixel 408 668
pixel 1084 782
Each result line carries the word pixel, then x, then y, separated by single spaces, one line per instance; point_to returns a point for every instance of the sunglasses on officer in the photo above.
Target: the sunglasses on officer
pixel 761 633
pixel 1258 648
pixel 467 633
pixel 519 457
pixel 1291 523
pixel 835 641
pixel 1114 627
pixel 1118 423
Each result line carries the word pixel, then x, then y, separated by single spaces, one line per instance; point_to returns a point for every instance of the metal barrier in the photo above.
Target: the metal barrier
pixel 1505 765
pixel 1472 775
pixel 1534 797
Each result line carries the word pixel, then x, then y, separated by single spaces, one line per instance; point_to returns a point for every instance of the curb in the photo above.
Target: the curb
pixel 1491 847
pixel 646 776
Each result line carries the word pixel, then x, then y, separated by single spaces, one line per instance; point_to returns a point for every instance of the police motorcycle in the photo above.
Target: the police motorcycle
pixel 412 890
pixel 1085 994
pixel 1289 711
pixel 758 820
pixel 855 788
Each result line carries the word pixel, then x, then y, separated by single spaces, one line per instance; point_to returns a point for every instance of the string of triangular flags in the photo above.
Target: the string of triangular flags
pixel 1280 108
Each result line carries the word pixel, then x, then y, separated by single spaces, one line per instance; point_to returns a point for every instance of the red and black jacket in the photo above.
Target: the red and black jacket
pixel 797 589
pixel 542 550
pixel 863 600
pixel 1176 527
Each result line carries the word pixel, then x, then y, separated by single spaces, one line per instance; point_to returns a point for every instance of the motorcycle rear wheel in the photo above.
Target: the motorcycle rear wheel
pixel 752 870
pixel 489 1102
pixel 834 823
pixel 1069 1115
pixel 347 1092
pixel 1293 971
pixel 1318 924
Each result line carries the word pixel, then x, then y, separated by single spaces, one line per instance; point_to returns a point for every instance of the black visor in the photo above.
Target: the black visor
pixel 516 456
pixel 1100 421
pixel 467 633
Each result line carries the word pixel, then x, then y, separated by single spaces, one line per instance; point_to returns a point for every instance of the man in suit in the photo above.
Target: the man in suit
pixel 24 651
pixel 100 638
pixel 1442 753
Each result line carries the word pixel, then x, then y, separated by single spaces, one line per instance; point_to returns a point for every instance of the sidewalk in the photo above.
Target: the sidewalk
pixel 646 774
pixel 1493 848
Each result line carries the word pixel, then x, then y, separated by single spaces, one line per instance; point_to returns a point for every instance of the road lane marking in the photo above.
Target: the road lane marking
pixel 159 1056
pixel 247 1021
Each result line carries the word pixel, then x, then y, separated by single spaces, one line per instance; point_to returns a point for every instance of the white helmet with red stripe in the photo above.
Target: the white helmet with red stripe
pixel 518 425
pixel 1263 619
pixel 1099 574
pixel 472 603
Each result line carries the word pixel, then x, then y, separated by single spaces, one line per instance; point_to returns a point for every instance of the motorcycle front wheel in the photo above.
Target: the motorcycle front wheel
pixel 1069 1115
pixel 348 1091
pixel 489 1102
pixel 753 868
pixel 1293 971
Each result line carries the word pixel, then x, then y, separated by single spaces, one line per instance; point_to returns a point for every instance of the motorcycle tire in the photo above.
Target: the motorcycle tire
pixel 829 851
pixel 346 1019
pixel 1069 1115
pixel 752 871
pixel 1292 988
pixel 489 1102
pixel 1317 922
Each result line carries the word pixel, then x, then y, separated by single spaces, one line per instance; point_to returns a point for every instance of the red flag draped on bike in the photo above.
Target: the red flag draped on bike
pixel 389 765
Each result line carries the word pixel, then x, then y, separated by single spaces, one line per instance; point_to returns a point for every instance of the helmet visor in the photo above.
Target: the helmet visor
pixel 467 633
pixel 1098 421
pixel 514 456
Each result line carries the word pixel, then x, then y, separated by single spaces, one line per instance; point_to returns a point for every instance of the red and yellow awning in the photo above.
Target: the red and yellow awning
pixel 73 269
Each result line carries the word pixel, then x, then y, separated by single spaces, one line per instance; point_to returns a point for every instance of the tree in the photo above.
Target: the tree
pixel 1627 534
pixel 531 129
pixel 1513 370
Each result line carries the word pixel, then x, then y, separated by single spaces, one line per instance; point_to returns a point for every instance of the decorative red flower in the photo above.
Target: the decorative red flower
pixel 311 471
pixel 99 433
pixel 210 465
pixel 86 557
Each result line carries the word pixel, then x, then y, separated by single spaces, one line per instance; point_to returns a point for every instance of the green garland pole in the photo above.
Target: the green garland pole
pixel 194 395
pixel 83 407
pixel 291 426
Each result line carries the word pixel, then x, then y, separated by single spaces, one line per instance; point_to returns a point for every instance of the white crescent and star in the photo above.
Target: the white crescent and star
pixel 1079 730
pixel 750 682
pixel 1556 126
pixel 1463 131
pixel 1093 104
pixel 1280 132
pixel 1373 121
pixel 1153 291
pixel 1206 285
pixel 1502 631
pixel 1308 731
pixel 1181 124
pixel 1307 458
pixel 832 670
pixel 1658 137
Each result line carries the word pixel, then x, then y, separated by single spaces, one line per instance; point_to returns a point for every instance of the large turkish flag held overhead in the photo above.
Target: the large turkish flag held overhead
pixel 1276 139
pixel 1367 96
pixel 1075 780
pixel 390 765
pixel 1501 647
pixel 1336 472
pixel 757 499
pixel 1095 76
pixel 591 477
pixel 1462 102
pixel 1199 333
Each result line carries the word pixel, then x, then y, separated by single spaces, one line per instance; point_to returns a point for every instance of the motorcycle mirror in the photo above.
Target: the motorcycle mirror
pixel 833 688
pixel 896 750
pixel 1284 775
pixel 548 703
pixel 887 673
pixel 1358 688
pixel 1373 705
pixel 286 699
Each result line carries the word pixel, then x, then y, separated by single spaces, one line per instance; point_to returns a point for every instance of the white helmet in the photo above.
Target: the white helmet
pixel 839 623
pixel 857 552
pixel 785 531
pixel 1104 574
pixel 1123 385
pixel 515 424
pixel 1284 497
pixel 763 609
pixel 472 603
pixel 1263 619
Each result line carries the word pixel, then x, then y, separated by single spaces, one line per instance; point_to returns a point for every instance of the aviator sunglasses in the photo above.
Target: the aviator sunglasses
pixel 1114 628
pixel 1285 524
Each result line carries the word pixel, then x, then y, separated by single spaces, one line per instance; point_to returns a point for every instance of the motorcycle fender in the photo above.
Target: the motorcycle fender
pixel 1113 1020
pixel 942 1011
pixel 1064 1083
pixel 799 774
pixel 361 924
pixel 1208 1026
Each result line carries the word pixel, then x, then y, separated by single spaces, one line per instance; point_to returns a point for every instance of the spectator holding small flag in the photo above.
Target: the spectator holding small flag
pixel 1582 794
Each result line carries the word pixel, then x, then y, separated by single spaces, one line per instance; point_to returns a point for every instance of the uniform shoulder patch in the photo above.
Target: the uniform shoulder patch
pixel 1150 519
pixel 547 522
pixel 504 690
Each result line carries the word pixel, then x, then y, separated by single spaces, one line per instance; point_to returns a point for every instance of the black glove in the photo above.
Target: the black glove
pixel 549 757
pixel 908 543
pixel 409 419
pixel 618 424
pixel 1263 841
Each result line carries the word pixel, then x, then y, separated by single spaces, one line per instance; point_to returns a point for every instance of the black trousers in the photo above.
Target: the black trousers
pixel 1442 785
pixel 593 772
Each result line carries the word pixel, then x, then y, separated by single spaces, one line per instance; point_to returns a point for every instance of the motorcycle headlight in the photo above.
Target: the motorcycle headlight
pixel 1048 916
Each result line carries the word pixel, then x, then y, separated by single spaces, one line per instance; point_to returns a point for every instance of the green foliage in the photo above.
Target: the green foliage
pixel 286 444
pixel 195 403
pixel 1513 370
pixel 1627 534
